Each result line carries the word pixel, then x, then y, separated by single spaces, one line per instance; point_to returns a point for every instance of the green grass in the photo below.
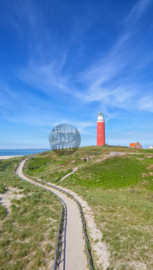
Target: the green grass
pixel 119 191
pixel 28 234
pixel 2 188
pixel 36 166
pixel 113 173
pixel 2 212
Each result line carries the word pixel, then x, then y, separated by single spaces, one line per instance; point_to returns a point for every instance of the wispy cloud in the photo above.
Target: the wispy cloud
pixel 137 11
pixel 131 132
pixel 45 77
pixel 101 80
pixel 24 16
pixel 104 81
pixel 145 104
pixel 81 125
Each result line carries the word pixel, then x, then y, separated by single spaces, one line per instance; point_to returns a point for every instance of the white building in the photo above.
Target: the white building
pixel 150 147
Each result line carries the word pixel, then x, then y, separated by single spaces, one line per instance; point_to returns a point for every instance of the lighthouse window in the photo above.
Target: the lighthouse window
pixel 99 127
pixel 99 135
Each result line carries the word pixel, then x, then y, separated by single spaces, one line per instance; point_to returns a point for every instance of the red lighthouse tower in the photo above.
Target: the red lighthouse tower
pixel 100 129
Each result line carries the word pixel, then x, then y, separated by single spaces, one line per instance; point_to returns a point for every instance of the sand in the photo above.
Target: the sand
pixel 10 194
pixel 7 157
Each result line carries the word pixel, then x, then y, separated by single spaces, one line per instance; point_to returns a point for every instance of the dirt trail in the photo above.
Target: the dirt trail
pixel 75 257
pixel 74 170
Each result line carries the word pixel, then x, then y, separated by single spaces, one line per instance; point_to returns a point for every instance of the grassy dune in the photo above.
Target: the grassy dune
pixel 28 232
pixel 120 192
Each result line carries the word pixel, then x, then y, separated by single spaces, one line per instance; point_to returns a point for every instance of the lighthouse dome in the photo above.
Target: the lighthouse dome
pixel 100 117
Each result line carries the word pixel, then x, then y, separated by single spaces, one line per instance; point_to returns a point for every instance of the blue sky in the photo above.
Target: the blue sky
pixel 63 61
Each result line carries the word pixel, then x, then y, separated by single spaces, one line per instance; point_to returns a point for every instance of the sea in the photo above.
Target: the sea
pixel 21 152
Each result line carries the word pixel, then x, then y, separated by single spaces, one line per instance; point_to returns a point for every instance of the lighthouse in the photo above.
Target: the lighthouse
pixel 100 129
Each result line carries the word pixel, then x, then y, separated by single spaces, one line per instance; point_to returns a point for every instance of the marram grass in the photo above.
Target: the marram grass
pixel 28 234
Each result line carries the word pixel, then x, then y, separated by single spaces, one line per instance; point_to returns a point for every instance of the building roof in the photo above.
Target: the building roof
pixel 137 145
pixel 133 144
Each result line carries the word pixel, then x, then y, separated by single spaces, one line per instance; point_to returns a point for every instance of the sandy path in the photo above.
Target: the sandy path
pixel 75 258
pixel 95 234
pixel 74 170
